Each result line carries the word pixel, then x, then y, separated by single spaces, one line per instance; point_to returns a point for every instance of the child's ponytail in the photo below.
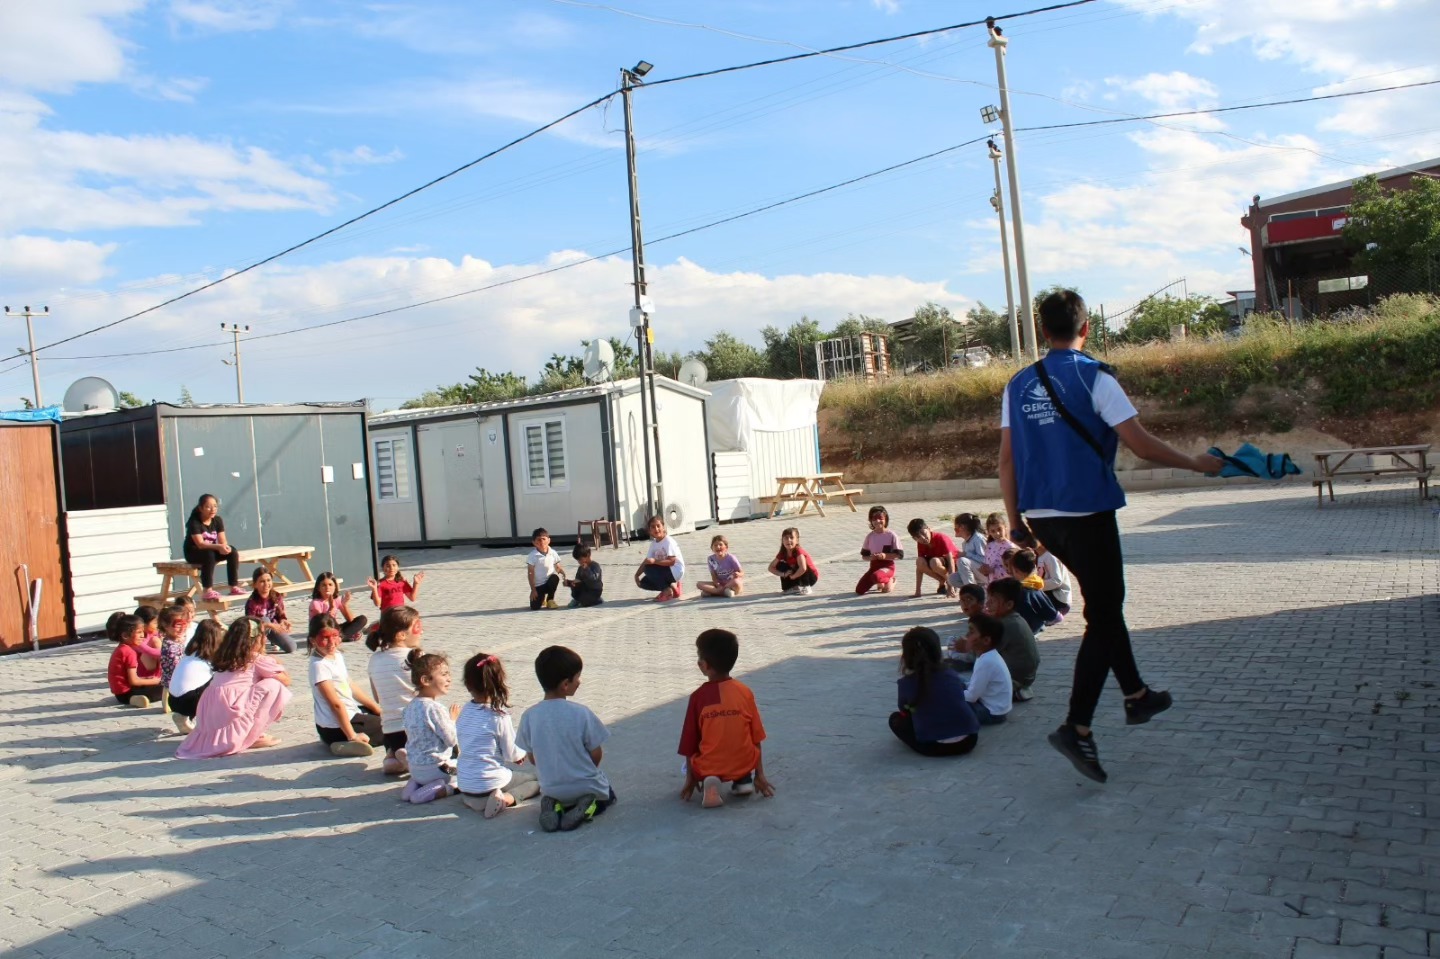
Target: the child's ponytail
pixel 485 679
pixel 393 622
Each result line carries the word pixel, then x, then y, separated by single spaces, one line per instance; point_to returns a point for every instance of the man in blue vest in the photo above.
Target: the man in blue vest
pixel 1060 423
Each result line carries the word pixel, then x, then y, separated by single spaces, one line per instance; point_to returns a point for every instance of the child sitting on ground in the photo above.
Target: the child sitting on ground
pixel 346 718
pixel 971 543
pixel 150 616
pixel 487 742
pixel 134 669
pixel 933 717
pixel 722 732
pixel 1052 572
pixel 972 599
pixel 268 607
pixel 564 740
pixel 187 606
pixel 326 599
pixel 543 570
pixel 972 604
pixel 990 691
pixel 588 585
pixel 997 541
pixel 1017 643
pixel 392 589
pixel 1023 565
pixel 935 557
pixel 1032 605
pixel 172 646
pixel 727 578
pixel 395 642
pixel 881 548
pixel 247 694
pixel 193 674
pixel 663 567
pixel 430 732
pixel 796 569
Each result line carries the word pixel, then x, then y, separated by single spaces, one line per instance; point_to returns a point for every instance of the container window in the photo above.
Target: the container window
pixel 392 469
pixel 545 466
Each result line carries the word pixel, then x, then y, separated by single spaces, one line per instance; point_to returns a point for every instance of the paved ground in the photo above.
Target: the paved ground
pixel 1288 807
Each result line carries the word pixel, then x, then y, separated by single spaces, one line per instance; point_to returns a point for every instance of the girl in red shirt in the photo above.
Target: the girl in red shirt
pixel 391 589
pixel 797 571
pixel 134 670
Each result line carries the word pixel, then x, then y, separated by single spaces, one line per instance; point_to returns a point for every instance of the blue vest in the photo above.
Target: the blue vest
pixel 1054 467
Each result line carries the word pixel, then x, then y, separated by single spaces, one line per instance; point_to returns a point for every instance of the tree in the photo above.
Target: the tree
pixel 728 358
pixel 129 400
pixel 791 355
pixel 856 323
pixel 1397 233
pixel 931 337
pixel 984 327
pixel 185 398
pixel 668 364
pixel 1154 318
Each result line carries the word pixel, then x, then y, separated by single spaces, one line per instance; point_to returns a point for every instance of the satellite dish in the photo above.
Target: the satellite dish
pixel 91 393
pixel 599 361
pixel 694 373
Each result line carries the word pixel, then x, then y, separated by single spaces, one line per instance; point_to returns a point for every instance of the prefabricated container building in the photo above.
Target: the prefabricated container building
pixel 760 430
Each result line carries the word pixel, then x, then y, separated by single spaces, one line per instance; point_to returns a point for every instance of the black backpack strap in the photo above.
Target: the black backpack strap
pixel 1066 415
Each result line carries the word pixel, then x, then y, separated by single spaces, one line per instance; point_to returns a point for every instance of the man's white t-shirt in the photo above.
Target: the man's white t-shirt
pixel 664 549
pixel 1111 405
pixel 990 684
pixel 543 563
pixel 331 668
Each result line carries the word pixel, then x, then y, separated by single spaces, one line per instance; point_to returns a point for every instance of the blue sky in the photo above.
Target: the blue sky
pixel 152 146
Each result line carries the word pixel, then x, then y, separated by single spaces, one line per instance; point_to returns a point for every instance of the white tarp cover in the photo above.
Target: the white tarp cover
pixel 738 409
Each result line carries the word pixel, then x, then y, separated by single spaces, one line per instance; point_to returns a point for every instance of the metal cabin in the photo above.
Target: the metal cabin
pixel 489 473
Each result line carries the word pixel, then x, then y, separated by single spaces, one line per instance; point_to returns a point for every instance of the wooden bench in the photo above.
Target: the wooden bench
pixel 810 491
pixel 268 557
pixel 1407 462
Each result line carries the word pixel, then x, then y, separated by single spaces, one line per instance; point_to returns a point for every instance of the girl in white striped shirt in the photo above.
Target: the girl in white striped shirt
pixel 487 742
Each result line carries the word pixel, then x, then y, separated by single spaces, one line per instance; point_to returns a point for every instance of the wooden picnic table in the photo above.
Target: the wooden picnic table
pixel 268 557
pixel 809 491
pixel 1405 461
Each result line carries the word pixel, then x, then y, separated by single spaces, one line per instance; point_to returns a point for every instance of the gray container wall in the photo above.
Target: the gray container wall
pixel 266 471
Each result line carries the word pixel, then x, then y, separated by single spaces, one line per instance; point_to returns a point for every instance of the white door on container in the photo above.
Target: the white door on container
pixel 451 481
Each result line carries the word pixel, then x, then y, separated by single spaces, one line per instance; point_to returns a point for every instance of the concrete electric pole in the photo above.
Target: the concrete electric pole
pixel 237 331
pixel 29 315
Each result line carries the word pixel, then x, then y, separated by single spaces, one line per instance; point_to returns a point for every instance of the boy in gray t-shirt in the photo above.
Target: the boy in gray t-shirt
pixel 564 741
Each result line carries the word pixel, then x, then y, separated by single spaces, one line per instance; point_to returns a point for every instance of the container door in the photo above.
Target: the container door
pixel 450 477
pixel 495 477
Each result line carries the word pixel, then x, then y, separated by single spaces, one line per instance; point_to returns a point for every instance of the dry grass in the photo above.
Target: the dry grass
pixel 1388 357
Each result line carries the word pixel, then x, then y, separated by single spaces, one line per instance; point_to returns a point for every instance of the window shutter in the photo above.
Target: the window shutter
pixel 535 455
pixel 555 449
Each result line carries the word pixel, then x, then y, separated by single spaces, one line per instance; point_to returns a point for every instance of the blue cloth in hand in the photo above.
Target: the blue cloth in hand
pixel 1251 462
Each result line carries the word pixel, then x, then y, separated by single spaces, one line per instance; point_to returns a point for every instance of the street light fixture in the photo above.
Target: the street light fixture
pixel 990 114
pixel 639 70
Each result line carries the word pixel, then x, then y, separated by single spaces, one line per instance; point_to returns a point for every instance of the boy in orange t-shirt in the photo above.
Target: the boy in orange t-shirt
pixel 722 733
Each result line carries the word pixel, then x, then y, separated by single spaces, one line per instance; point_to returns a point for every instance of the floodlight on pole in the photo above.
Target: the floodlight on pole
pixel 999 42
pixel 997 201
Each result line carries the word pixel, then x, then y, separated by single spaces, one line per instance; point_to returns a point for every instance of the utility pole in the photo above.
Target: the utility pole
pixel 998 42
pixel 237 331
pixel 997 200
pixel 30 314
pixel 640 312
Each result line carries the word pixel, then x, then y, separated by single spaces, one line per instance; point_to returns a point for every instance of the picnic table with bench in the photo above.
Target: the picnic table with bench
pixel 810 491
pixel 268 557
pixel 1405 462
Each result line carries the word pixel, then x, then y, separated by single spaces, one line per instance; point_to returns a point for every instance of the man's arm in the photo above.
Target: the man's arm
pixel 1149 448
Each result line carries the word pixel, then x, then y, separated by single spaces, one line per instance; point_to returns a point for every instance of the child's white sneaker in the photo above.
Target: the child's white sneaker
pixel 710 793
pixel 803 591
pixel 729 593
pixel 140 702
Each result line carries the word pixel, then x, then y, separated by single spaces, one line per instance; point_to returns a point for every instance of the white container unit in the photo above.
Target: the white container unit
pixel 492 472
pixel 760 430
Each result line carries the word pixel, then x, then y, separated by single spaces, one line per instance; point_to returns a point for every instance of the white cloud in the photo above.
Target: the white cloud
pixel 60 43
pixel 228 16
pixel 38 263
pixel 886 6
pixel 1176 90
pixel 174 89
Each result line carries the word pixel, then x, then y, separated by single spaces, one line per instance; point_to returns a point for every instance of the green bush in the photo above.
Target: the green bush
pixel 1388 357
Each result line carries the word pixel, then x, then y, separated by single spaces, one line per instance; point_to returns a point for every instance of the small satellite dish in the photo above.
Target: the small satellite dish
pixel 694 373
pixel 599 361
pixel 91 393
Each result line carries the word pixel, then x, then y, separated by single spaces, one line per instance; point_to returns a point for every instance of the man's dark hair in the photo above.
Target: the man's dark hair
pixel 720 648
pixel 989 627
pixel 555 664
pixel 974 590
pixel 1024 561
pixel 1008 589
pixel 1062 314
pixel 915 526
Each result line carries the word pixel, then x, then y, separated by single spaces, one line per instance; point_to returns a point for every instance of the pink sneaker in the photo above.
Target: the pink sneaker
pixel 667 594
pixel 237 591
pixel 211 595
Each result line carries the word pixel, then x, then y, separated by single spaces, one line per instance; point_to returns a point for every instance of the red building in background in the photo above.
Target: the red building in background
pixel 1301 260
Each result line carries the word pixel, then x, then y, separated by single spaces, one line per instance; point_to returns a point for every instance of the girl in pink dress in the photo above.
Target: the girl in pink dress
pixel 248 693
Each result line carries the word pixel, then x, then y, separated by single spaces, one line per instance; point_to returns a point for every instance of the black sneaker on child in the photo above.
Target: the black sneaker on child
pixel 1141 710
pixel 1080 750
pixel 549 814
pixel 582 812
pixel 744 786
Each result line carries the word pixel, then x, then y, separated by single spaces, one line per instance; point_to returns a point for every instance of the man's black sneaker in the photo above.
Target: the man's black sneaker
pixel 549 814
pixel 582 812
pixel 1140 710
pixel 1080 750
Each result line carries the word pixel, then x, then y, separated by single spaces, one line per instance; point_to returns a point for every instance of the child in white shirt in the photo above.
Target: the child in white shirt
pixel 1050 569
pixel 990 691
pixel 543 569
pixel 488 783
pixel 430 732
pixel 664 567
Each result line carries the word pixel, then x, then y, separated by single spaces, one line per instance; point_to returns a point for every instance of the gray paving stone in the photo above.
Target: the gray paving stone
pixel 1274 784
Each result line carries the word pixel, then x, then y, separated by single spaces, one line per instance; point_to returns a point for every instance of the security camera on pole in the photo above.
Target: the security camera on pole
pixel 998 202
pixel 640 313
pixel 998 42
